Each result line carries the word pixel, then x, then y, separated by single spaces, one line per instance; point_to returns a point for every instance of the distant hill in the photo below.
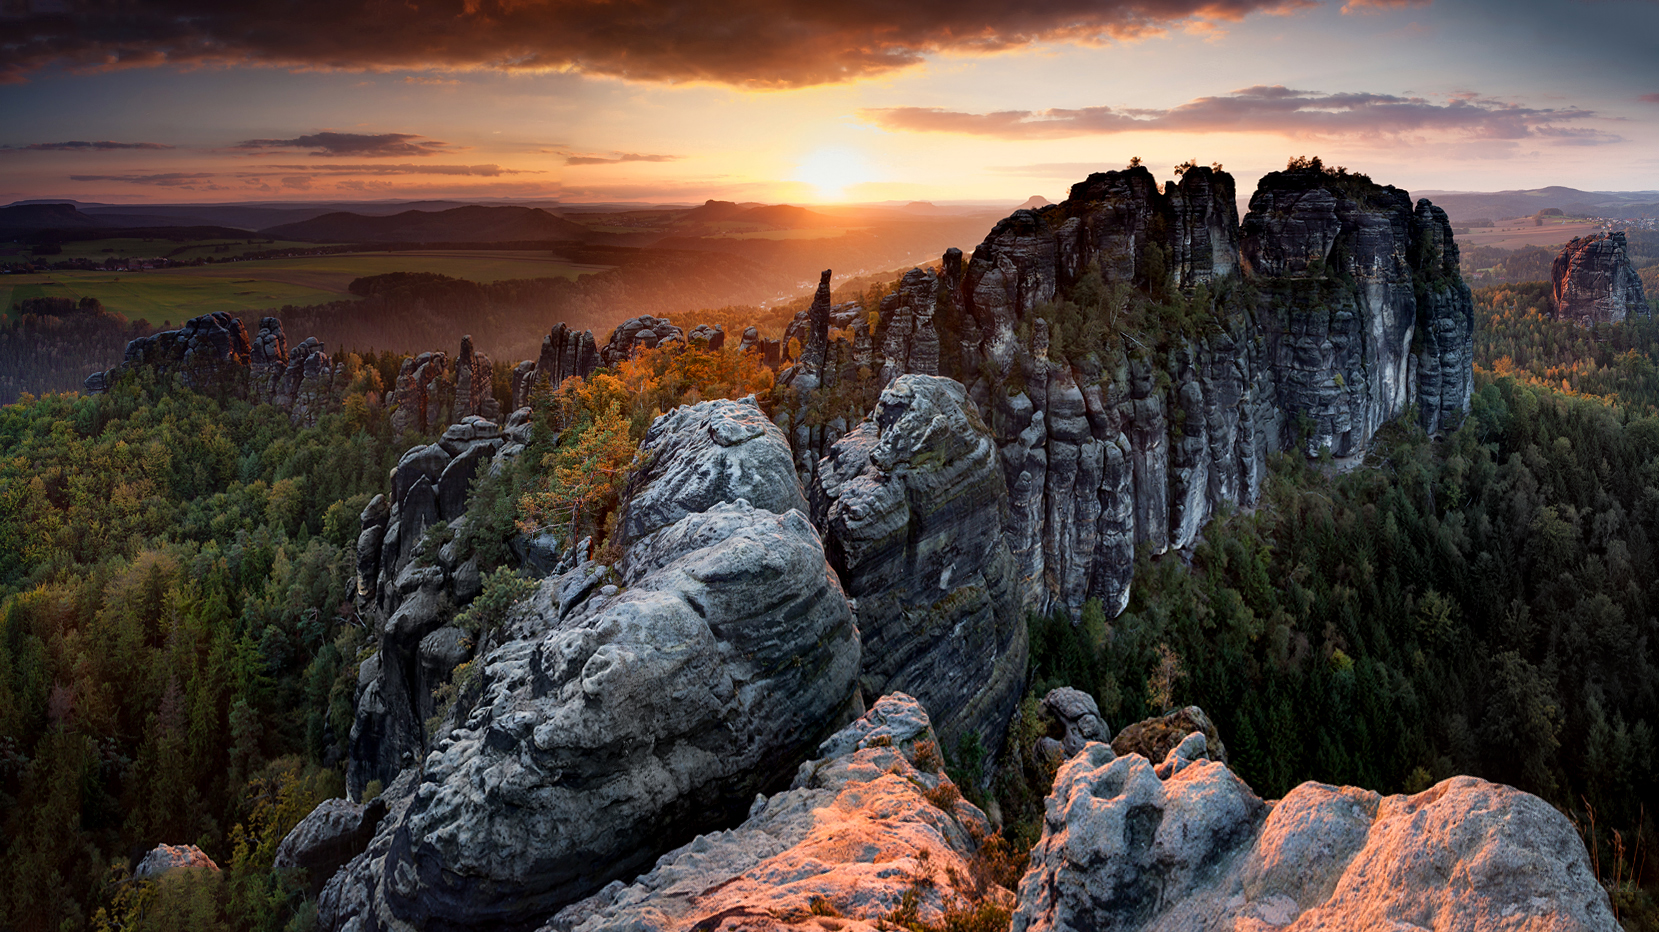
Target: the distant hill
pixel 474 224
pixel 1033 202
pixel 786 217
pixel 1463 206
pixel 714 211
pixel 28 218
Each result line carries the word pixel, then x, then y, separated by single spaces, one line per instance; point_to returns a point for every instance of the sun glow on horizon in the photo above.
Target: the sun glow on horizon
pixel 832 171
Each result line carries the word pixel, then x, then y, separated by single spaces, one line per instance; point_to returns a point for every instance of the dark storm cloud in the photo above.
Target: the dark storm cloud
pixel 760 43
pixel 1272 109
pixel 624 157
pixel 79 146
pixel 354 145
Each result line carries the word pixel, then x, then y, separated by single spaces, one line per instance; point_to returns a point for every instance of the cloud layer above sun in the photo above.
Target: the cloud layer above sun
pixel 751 43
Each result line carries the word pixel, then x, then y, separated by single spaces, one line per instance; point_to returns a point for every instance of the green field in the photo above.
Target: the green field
pixel 173 295
pixel 177 250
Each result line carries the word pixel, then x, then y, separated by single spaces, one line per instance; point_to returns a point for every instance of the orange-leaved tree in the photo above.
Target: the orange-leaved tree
pixel 666 376
pixel 585 472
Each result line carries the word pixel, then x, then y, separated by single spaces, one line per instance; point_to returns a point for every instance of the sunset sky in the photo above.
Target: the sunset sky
pixel 660 101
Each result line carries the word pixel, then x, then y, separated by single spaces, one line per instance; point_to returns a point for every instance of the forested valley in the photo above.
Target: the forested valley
pixel 179 648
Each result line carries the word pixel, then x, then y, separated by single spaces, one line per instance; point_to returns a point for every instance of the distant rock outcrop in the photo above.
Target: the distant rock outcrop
pixel 324 841
pixel 664 693
pixel 1187 845
pixel 565 354
pixel 1594 282
pixel 212 354
pixel 867 823
pixel 912 504
pixel 637 333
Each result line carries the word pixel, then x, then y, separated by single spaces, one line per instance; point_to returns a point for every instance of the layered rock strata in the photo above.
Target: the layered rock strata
pixel 912 504
pixel 852 837
pixel 663 692
pixel 1594 283
pixel 1187 845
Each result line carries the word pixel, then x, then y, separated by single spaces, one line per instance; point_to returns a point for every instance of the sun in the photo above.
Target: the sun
pixel 832 171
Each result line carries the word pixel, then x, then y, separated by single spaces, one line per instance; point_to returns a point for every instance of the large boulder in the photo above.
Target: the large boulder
pixel 324 841
pixel 867 823
pixel 699 455
pixel 165 859
pixel 627 709
pixel 912 504
pixel 1188 846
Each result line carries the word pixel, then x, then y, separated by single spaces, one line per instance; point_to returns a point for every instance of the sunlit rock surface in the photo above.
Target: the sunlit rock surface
pixel 855 833
pixel 1188 846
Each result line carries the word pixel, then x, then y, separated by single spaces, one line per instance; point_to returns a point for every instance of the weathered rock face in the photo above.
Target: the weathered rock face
pixel 703 454
pixel 411 599
pixel 665 705
pixel 417 398
pixel 854 834
pixel 634 334
pixel 1188 846
pixel 912 504
pixel 1594 282
pixel 472 385
pixel 210 353
pixel 1330 310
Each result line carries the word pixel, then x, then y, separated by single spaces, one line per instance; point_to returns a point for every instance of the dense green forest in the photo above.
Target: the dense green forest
pixel 177 645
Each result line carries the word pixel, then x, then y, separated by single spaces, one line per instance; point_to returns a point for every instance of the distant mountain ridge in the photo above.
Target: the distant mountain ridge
pixel 1501 205
pixel 473 224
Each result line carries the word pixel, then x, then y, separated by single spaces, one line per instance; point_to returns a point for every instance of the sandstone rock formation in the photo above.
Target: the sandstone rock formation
pixel 164 859
pixel 1138 353
pixel 853 836
pixel 912 505
pixel 411 600
pixel 722 653
pixel 1154 738
pixel 703 454
pixel 564 354
pixel 1594 282
pixel 1188 846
